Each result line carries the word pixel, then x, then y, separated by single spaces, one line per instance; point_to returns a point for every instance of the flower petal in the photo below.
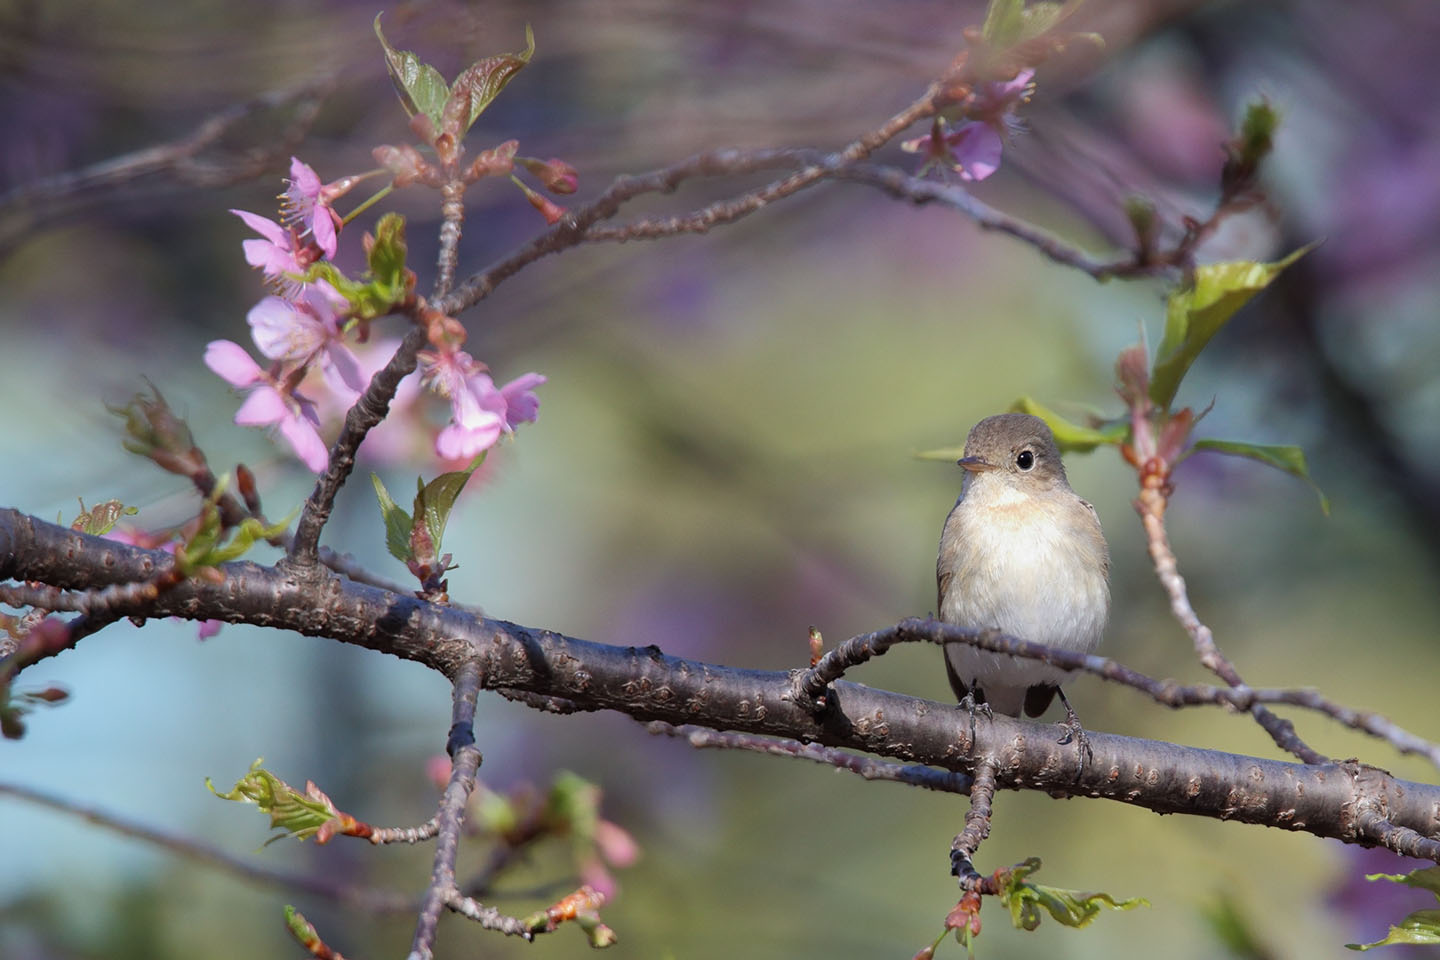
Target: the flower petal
pixel 975 148
pixel 344 367
pixel 263 407
pixel 268 229
pixel 230 361
pixel 306 442
pixel 281 331
pixel 460 443
pixel 521 404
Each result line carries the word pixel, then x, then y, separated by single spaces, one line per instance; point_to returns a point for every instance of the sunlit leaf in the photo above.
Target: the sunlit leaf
pixel 1288 458
pixel 437 498
pixel 1039 17
pixel 1003 22
pixel 1422 926
pixel 420 86
pixel 386 256
pixel 482 81
pixel 1070 435
pixel 1195 314
pixel 300 928
pixel 1426 878
pixel 397 522
pixel 299 815
pixel 101 518
pixel 1072 908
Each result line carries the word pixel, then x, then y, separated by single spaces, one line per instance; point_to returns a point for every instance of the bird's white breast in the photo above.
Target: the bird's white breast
pixel 1033 567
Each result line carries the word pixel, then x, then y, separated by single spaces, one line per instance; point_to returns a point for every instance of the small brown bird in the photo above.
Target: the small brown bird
pixel 1021 552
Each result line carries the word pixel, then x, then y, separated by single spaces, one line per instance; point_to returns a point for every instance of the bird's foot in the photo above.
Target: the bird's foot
pixel 973 707
pixel 1074 732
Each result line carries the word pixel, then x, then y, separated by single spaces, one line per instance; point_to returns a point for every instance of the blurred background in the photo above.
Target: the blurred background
pixel 724 454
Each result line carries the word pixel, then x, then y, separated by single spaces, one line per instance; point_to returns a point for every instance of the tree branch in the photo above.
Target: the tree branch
pixel 367 412
pixel 644 683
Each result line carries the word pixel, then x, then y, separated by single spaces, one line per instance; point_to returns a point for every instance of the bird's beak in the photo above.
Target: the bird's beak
pixel 975 464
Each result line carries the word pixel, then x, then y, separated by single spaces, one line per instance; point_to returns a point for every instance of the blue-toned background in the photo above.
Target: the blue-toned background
pixel 724 452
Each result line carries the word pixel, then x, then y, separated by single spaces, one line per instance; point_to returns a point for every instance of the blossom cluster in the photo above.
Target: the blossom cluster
pixel 302 327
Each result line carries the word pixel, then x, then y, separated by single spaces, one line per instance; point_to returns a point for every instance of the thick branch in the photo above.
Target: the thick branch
pixel 644 683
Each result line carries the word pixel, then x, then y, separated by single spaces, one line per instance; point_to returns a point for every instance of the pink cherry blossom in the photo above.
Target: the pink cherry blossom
pixel 306 329
pixel 973 149
pixel 521 404
pixel 306 205
pixel 267 404
pixel 480 412
pixel 278 253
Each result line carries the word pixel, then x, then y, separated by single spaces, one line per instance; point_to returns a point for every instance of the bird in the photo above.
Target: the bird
pixel 1024 554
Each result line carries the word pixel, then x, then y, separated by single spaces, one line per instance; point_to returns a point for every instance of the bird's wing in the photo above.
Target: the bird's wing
pixel 1105 555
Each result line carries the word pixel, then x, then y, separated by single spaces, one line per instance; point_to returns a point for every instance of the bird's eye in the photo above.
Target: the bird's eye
pixel 1025 460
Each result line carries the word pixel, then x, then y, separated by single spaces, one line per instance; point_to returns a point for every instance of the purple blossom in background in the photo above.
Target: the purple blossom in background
pixel 309 328
pixel 997 101
pixel 305 205
pixel 267 405
pixel 973 149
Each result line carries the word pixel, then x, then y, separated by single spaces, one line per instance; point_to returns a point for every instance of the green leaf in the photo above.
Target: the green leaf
pixel 386 257
pixel 1288 458
pixel 437 498
pixel 387 282
pixel 1003 22
pixel 299 815
pixel 1426 878
pixel 1422 926
pixel 482 81
pixel 420 87
pixel 1069 907
pixel 101 518
pixel 397 522
pixel 1195 314
pixel 300 928
pixel 1039 17
pixel 1257 130
pixel 250 532
pixel 1070 435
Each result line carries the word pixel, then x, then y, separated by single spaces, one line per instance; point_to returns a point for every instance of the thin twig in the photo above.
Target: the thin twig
pixel 579 225
pixel 977 826
pixel 903 186
pixel 368 411
pixel 452 215
pixel 867 768
pixel 810 684
pixel 450 818
pixel 1151 507
pixel 425 831
pixel 177 157
pixel 364 898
